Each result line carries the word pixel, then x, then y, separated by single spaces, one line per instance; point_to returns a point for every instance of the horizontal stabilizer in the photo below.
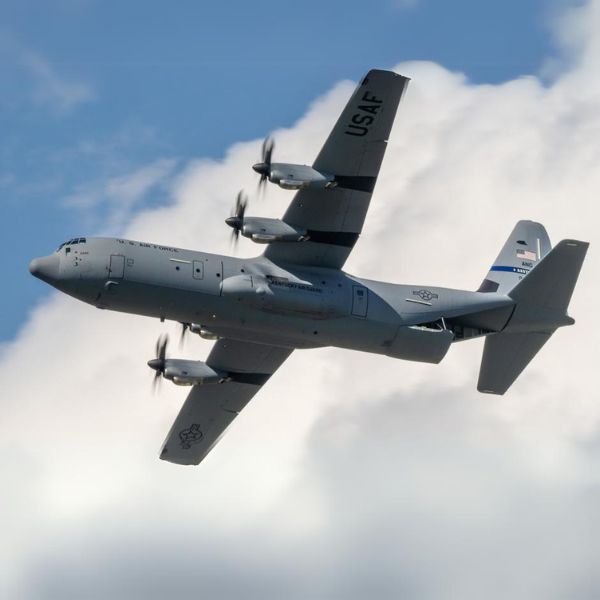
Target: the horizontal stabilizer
pixel 505 355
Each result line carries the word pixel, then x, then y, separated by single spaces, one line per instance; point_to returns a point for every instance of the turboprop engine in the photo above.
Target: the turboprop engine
pixel 261 230
pixel 294 177
pixel 287 175
pixel 183 372
pixel 198 329
pixel 188 372
pixel 264 231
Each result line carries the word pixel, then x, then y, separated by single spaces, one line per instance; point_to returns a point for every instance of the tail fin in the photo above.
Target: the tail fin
pixel 542 299
pixel 526 246
pixel 550 286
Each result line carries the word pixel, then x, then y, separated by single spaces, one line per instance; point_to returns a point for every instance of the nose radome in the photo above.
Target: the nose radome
pixel 45 268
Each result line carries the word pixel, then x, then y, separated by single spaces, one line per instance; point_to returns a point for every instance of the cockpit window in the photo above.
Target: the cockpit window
pixel 71 242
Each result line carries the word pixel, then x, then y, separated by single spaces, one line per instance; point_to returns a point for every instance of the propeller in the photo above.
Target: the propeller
pixel 263 168
pixel 159 363
pixel 184 329
pixel 236 220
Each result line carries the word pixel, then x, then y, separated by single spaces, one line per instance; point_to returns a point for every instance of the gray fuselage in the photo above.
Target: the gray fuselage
pixel 257 300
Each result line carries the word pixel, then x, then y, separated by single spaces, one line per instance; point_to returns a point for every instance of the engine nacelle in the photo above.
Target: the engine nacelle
pixel 264 231
pixel 203 332
pixel 191 372
pixel 293 177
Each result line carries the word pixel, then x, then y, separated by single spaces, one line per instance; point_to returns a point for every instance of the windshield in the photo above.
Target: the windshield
pixel 71 243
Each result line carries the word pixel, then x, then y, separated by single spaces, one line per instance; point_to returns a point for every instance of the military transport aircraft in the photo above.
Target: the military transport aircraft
pixel 296 295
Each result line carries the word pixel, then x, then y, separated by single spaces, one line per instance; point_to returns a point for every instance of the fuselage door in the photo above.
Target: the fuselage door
pixel 360 301
pixel 117 266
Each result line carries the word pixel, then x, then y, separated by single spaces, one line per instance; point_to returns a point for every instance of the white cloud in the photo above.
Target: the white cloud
pixel 118 196
pixel 53 90
pixel 349 475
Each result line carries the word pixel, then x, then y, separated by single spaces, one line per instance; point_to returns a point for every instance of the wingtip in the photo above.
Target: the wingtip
pixel 483 390
pixel 385 72
pixel 175 460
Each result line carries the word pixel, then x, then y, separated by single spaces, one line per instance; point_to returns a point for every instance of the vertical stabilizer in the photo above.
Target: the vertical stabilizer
pixel 541 302
pixel 526 246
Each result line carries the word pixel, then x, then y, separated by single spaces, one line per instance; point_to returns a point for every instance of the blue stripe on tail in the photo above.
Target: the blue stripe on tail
pixel 510 269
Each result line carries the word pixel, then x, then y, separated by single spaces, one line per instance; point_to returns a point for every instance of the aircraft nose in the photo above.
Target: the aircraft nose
pixel 45 268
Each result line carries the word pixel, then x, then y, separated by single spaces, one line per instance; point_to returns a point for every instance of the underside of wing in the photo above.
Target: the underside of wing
pixel 353 153
pixel 210 409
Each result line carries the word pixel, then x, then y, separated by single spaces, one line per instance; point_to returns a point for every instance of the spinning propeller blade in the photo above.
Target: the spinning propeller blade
pixel 263 168
pixel 236 220
pixel 184 329
pixel 159 363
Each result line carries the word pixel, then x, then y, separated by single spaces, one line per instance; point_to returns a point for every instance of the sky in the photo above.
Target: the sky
pixel 91 92
pixel 349 475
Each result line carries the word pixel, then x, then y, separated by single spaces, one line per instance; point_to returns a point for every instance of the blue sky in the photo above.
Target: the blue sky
pixel 93 91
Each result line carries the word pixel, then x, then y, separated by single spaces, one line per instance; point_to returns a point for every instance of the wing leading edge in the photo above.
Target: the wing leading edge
pixel 209 409
pixel 353 152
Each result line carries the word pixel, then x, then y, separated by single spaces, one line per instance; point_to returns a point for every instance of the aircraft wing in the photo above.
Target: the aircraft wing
pixel 210 409
pixel 353 153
